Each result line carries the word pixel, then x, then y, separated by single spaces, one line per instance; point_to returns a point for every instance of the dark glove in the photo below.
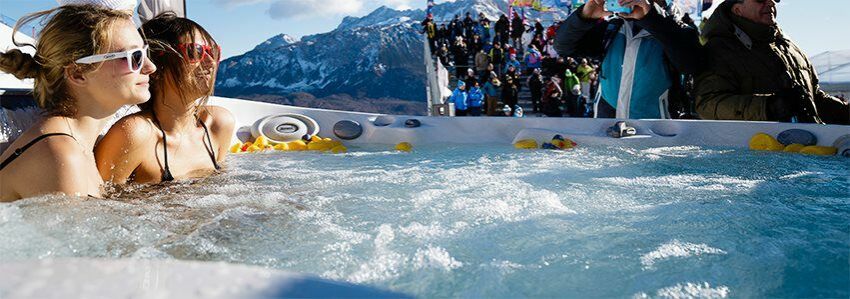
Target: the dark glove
pixel 834 111
pixel 785 104
pixel 778 109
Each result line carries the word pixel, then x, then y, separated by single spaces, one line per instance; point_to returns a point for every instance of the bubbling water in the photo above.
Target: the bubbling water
pixel 484 221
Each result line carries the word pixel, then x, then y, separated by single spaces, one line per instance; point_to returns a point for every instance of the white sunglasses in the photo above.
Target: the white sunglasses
pixel 135 58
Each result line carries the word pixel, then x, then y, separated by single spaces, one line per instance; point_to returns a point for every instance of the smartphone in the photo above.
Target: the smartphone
pixel 614 6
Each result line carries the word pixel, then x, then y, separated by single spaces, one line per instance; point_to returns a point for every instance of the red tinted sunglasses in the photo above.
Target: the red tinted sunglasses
pixel 193 52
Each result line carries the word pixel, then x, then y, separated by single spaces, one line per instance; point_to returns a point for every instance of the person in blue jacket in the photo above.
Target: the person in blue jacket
pixel 533 59
pixel 476 99
pixel 460 98
pixel 512 61
pixel 492 94
pixel 644 56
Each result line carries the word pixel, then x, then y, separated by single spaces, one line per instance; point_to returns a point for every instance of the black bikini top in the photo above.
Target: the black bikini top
pixel 166 172
pixel 20 151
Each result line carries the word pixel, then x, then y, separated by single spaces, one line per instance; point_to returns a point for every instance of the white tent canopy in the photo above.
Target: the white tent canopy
pixel 148 9
pixel 833 67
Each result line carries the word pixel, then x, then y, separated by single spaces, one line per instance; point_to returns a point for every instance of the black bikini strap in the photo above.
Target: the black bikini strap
pixel 18 152
pixel 166 173
pixel 210 149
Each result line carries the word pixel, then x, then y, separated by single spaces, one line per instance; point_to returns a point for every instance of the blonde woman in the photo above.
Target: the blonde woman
pixel 175 135
pixel 89 62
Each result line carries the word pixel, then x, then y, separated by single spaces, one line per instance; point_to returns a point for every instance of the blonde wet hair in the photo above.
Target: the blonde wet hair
pixel 70 33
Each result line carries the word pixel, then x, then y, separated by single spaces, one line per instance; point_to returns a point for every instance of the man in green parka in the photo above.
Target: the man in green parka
pixel 756 73
pixel 572 94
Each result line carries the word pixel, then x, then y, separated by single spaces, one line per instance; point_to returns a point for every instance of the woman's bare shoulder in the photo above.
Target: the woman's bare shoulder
pixel 50 156
pixel 51 166
pixel 217 118
pixel 134 128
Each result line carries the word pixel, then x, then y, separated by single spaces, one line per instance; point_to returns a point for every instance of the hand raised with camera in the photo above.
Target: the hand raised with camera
pixel 640 8
pixel 595 9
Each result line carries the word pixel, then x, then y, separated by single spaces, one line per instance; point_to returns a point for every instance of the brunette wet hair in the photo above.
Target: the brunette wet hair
pixel 165 33
pixel 70 33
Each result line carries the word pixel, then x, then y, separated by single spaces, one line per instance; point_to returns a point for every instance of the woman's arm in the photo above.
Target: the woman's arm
pixel 119 153
pixel 582 35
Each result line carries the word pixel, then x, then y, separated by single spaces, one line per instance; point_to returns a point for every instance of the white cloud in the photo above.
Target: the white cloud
pixel 284 9
pixel 400 4
pixel 234 3
pixel 293 9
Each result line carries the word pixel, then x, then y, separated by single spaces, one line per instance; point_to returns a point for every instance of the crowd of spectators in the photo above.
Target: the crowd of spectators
pixel 493 57
pixel 658 64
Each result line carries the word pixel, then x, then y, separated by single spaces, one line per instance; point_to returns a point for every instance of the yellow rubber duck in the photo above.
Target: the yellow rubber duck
pixel 339 149
pixel 236 147
pixel 254 148
pixel 764 142
pixel 404 147
pixel 297 145
pixel 281 147
pixel 320 145
pixel 819 150
pixel 246 145
pixel 794 148
pixel 563 143
pixel 569 144
pixel 261 142
pixel 334 143
pixel 526 144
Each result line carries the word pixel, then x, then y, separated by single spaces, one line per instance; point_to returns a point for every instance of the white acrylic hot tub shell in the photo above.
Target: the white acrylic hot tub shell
pixel 120 278
pixel 147 278
pixel 505 130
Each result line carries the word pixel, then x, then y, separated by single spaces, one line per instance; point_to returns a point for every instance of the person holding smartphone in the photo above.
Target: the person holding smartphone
pixel 644 54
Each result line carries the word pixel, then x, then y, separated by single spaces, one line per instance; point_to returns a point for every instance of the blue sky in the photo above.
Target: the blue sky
pixel 239 25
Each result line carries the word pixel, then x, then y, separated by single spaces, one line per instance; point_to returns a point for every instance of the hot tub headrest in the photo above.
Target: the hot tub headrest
pixel 284 127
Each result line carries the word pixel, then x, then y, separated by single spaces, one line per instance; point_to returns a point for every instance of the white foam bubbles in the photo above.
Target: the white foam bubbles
pixel 676 248
pixel 692 290
pixel 799 174
pixel 505 266
pixel 436 258
pixel 686 182
pixel 9 213
pixel 212 200
pixel 679 152
pixel 424 232
pixel 387 263
pixel 384 263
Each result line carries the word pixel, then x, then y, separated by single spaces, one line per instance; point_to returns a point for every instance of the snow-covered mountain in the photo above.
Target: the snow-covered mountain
pixel 382 16
pixel 374 56
pixel 276 41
